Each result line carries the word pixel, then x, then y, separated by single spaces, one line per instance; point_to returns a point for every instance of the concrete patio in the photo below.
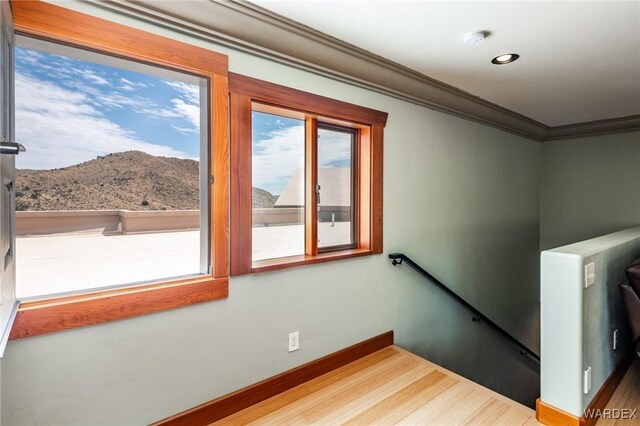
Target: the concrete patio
pixel 49 264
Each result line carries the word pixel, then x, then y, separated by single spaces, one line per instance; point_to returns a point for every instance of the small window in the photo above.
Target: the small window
pixel 336 187
pixel 307 177
pixel 278 185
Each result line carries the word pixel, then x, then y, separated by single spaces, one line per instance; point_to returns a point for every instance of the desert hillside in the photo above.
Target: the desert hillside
pixel 263 199
pixel 129 180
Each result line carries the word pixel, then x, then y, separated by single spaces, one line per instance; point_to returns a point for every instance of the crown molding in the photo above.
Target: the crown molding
pixel 594 128
pixel 243 26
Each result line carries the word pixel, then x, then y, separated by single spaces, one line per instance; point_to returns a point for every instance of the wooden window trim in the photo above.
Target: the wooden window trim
pixel 305 259
pixel 64 313
pixel 61 25
pixel 311 196
pixel 245 92
pixel 285 97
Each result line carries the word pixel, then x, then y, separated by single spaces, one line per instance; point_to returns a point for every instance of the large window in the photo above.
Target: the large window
pixel 114 187
pixel 307 181
pixel 122 195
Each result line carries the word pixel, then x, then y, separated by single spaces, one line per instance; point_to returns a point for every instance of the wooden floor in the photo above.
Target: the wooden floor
pixel 627 395
pixel 391 386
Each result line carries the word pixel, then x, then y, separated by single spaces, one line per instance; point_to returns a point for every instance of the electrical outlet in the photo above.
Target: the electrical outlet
pixel 615 339
pixel 294 341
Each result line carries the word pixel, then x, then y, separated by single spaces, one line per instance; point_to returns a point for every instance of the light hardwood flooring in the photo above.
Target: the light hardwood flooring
pixel 391 386
pixel 627 395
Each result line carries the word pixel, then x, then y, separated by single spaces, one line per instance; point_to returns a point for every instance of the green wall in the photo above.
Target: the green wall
pixel 589 187
pixel 578 322
pixel 459 198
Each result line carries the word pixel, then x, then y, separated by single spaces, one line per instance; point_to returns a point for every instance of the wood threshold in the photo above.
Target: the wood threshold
pixel 293 261
pixel 64 313
pixel 227 405
pixel 552 416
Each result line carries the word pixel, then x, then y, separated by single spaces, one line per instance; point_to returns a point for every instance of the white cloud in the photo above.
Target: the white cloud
pixel 156 112
pixel 187 105
pixel 61 127
pixel 36 61
pixel 29 56
pixel 187 111
pixel 130 86
pixel 190 92
pixel 277 156
pixel 119 100
pixel 186 130
pixel 91 76
pixel 333 147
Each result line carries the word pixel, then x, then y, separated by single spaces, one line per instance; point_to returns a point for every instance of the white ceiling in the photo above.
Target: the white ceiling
pixel 579 61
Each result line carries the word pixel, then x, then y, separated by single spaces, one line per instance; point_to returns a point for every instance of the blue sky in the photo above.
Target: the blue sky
pixel 278 150
pixel 70 110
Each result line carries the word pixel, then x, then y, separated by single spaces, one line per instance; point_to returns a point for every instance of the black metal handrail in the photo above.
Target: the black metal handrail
pixel 399 258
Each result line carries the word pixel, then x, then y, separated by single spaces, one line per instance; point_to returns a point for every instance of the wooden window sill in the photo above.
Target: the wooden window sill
pixel 64 313
pixel 293 261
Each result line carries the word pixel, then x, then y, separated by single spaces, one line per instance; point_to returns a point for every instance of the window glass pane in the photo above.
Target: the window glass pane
pixel 335 192
pixel 278 186
pixel 108 192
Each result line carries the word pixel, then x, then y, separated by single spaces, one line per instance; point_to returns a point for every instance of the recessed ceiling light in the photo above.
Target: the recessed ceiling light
pixel 507 58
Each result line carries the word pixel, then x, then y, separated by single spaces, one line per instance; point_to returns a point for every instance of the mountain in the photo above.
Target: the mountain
pixel 130 180
pixel 263 199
